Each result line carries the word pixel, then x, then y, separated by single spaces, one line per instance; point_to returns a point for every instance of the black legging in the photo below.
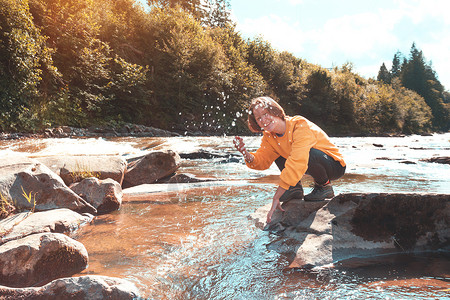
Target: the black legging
pixel 321 166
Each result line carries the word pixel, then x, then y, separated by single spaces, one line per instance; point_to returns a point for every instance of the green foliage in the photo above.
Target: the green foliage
pixel 192 7
pixel 396 65
pixel 217 13
pixel 83 171
pixel 183 66
pixel 186 65
pixel 81 57
pixel 384 75
pixel 6 208
pixel 418 75
pixel 242 83
pixel 23 56
pixel 31 199
pixel 128 96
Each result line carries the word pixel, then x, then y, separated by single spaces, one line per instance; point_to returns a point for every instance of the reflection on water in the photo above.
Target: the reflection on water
pixel 199 244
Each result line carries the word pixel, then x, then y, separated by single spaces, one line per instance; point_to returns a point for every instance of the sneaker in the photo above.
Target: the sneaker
pixel 294 192
pixel 320 192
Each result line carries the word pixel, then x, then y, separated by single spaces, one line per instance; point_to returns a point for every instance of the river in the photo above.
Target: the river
pixel 194 241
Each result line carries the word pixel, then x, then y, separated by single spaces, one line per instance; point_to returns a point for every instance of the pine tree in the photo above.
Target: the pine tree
pixel 194 7
pixel 383 74
pixel 420 77
pixel 396 66
pixel 218 13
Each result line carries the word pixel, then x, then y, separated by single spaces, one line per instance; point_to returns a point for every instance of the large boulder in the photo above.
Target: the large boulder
pixel 77 167
pixel 61 220
pixel 104 195
pixel 151 167
pixel 40 258
pixel 91 287
pixel 358 225
pixel 28 183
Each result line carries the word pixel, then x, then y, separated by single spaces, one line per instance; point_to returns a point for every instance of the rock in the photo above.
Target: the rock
pixel 202 154
pixel 151 167
pixel 231 160
pixel 439 160
pixel 61 220
pixel 295 210
pixel 141 130
pixel 184 178
pixel 359 225
pixel 40 258
pixel 21 176
pixel 75 168
pixel 91 287
pixel 387 158
pixel 104 195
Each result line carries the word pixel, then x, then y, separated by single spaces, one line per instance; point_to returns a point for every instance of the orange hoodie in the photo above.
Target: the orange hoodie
pixel 300 136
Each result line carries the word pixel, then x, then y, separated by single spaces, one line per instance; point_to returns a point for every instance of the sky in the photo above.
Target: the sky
pixel 364 32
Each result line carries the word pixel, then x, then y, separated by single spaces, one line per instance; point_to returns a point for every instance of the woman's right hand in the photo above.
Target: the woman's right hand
pixel 240 146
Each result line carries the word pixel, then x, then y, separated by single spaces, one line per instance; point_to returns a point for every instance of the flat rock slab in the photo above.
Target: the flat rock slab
pixel 89 287
pixel 358 225
pixel 61 220
pixel 39 258
pixel 139 192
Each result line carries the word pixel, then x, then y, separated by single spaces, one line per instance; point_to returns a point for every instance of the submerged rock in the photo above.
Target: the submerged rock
pixel 104 195
pixel 61 220
pixel 359 225
pixel 203 154
pixel 151 167
pixel 184 178
pixel 40 258
pixel 91 287
pixel 439 160
pixel 29 184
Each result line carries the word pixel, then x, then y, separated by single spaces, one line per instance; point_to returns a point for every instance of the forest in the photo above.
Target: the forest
pixel 182 66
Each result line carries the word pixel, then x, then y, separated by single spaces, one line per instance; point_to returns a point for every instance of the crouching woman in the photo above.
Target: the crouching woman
pixel 297 146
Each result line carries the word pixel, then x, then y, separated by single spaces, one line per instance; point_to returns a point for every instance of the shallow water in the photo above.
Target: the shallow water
pixel 178 243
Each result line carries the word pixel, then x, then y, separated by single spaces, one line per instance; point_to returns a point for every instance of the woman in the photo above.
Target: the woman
pixel 297 146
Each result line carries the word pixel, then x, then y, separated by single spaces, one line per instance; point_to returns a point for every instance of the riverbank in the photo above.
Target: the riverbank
pixel 135 130
pixel 96 131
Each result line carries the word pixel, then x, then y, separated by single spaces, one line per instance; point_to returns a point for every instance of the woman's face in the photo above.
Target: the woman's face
pixel 264 119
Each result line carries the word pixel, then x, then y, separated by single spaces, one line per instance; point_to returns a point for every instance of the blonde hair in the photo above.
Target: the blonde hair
pixel 273 108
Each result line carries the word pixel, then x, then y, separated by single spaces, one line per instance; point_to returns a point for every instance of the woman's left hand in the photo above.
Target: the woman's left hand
pixel 275 203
